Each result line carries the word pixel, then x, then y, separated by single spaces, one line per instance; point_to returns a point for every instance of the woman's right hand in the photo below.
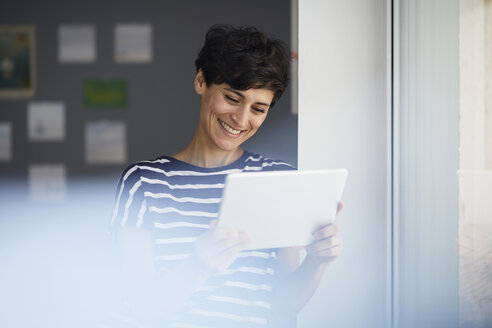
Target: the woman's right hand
pixel 218 248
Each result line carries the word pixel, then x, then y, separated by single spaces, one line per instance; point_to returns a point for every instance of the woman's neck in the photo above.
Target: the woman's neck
pixel 206 154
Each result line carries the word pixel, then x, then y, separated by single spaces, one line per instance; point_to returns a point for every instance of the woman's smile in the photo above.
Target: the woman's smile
pixel 231 131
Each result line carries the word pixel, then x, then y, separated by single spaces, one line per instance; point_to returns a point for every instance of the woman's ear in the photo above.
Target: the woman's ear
pixel 200 84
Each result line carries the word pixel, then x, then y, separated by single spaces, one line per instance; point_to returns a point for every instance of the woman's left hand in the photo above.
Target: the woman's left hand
pixel 327 243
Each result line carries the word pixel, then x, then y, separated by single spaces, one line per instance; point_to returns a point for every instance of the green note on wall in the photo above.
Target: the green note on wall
pixel 105 93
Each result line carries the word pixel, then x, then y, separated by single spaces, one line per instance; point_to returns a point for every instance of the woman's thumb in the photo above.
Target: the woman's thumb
pixel 213 223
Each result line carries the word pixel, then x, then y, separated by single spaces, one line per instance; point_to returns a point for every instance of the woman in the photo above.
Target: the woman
pixel 183 270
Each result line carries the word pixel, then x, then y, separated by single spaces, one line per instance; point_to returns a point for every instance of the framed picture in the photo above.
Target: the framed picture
pixel 17 61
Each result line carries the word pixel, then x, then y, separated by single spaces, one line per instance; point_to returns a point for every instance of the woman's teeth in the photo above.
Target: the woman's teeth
pixel 228 128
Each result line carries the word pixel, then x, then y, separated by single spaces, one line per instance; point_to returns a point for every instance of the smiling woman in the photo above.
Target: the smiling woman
pixel 228 117
pixel 183 270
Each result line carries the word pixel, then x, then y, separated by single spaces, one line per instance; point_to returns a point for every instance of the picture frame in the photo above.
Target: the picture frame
pixel 17 61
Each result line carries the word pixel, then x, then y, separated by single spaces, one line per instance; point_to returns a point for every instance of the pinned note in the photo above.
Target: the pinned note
pixel 77 43
pixel 46 121
pixel 133 43
pixel 5 141
pixel 47 182
pixel 105 142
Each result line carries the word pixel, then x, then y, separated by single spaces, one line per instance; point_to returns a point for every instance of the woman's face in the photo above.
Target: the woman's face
pixel 229 117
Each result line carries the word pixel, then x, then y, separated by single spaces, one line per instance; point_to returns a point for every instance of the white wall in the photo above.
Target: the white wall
pixel 488 82
pixel 342 123
pixel 475 158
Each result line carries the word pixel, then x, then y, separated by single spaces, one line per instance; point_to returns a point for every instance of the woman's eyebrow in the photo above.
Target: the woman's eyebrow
pixel 235 91
pixel 242 96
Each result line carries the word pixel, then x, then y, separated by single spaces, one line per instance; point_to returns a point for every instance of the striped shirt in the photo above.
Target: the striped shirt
pixel 177 201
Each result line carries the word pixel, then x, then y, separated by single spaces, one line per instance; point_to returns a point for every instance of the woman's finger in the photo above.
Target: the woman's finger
pixel 339 207
pixel 326 243
pixel 245 238
pixel 218 246
pixel 330 252
pixel 224 233
pixel 326 231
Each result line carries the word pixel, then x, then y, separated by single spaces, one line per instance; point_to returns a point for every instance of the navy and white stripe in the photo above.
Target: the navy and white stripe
pixel 177 201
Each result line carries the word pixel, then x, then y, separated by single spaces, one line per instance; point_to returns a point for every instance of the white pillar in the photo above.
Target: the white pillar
pixel 343 124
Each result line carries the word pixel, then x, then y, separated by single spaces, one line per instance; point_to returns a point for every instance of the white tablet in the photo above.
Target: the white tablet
pixel 281 208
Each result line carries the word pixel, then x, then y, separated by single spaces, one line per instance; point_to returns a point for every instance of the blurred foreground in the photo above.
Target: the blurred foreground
pixel 59 266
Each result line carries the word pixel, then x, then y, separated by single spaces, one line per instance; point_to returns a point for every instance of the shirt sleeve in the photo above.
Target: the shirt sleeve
pixel 130 205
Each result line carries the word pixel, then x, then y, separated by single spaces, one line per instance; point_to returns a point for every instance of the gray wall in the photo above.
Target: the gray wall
pixel 162 112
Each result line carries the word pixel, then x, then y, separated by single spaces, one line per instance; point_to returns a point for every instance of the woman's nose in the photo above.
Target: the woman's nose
pixel 240 117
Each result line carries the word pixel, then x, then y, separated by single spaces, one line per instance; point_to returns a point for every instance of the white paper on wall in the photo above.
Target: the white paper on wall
pixel 77 43
pixel 46 121
pixel 105 142
pixel 133 43
pixel 47 182
pixel 5 141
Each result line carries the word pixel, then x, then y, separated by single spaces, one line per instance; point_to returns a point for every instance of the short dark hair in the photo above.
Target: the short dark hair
pixel 244 58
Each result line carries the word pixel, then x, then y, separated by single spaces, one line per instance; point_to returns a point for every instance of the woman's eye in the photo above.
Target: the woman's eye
pixel 231 99
pixel 260 110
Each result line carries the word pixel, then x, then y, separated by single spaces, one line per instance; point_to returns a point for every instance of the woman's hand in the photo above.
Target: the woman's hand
pixel 327 243
pixel 297 286
pixel 218 248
